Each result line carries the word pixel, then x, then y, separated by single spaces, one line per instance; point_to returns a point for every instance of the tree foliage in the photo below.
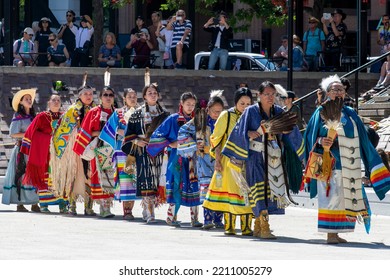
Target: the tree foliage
pixel 272 12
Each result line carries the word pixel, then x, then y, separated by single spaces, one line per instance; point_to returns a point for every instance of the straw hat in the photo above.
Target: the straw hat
pixel 19 95
pixel 313 19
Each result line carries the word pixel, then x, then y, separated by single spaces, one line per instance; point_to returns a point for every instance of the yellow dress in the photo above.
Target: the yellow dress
pixel 228 198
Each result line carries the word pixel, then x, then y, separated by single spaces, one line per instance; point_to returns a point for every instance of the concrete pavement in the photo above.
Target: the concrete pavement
pixel 34 236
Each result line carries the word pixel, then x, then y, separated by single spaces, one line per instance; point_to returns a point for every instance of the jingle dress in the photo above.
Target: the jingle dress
pixel 14 192
pixel 344 201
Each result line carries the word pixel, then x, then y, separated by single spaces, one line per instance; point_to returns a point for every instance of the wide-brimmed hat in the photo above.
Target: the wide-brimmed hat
pixel 48 20
pixel 340 12
pixel 313 19
pixel 19 95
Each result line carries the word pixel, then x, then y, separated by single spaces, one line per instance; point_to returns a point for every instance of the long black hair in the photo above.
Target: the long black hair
pixel 21 110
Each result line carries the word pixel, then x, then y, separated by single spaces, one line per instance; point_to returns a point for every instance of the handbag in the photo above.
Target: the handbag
pixel 104 155
pixel 89 152
pixel 130 162
pixel 314 167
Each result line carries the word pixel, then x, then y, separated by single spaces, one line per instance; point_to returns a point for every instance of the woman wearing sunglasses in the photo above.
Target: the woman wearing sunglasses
pixel 94 121
pixel 57 54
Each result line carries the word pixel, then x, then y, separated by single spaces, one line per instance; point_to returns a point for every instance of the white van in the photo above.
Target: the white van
pixel 240 61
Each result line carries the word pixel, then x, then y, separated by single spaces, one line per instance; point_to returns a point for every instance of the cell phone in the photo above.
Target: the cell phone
pixel 179 18
pixel 326 16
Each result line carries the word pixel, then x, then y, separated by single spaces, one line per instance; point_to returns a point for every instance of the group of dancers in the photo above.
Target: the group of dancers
pixel 244 161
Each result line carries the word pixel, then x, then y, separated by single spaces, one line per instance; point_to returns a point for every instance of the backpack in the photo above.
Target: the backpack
pixel 20 43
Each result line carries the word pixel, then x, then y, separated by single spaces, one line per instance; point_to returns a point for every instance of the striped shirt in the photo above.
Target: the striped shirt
pixel 178 32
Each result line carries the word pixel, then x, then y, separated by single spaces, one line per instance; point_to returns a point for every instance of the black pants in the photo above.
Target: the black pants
pixel 80 59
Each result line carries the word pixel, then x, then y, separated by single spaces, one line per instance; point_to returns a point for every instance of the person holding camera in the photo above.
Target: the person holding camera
pixel 336 32
pixel 67 32
pixel 83 42
pixel 142 47
pixel 222 33
pixel 182 29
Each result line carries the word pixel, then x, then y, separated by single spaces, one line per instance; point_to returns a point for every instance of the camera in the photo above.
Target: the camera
pixel 215 21
pixel 326 16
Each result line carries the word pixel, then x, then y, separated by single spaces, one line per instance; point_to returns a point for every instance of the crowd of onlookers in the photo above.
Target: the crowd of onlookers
pixel 164 44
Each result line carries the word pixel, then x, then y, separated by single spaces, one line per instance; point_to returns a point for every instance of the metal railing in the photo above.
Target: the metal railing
pixel 355 71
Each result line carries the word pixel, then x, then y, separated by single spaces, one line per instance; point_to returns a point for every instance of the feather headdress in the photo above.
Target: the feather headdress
pixel 84 83
pixel 281 90
pixel 326 82
pixel 147 76
pixel 217 92
pixel 107 77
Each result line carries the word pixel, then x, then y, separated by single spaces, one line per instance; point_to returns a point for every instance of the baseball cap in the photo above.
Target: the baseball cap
pixel 144 30
pixel 28 30
pixel 140 17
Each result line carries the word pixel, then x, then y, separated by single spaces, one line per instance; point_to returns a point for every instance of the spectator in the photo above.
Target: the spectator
pixel 222 32
pixel 83 42
pixel 42 40
pixel 163 33
pixel 156 51
pixel 335 31
pixel 67 33
pixel 384 78
pixel 294 108
pixel 35 28
pixel 128 52
pixel 384 33
pixel 348 100
pixel 22 49
pixel 282 52
pixel 313 42
pixel 142 47
pixel 57 54
pixel 182 29
pixel 299 63
pixel 109 52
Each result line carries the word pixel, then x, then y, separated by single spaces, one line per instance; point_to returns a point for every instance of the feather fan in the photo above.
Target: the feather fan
pixel 282 123
pixel 155 123
pixel 331 113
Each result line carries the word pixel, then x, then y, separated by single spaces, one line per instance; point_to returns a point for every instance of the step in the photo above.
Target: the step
pixel 384 105
pixel 381 98
pixel 379 114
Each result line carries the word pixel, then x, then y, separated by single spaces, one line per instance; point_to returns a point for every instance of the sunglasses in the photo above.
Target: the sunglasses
pixel 51 40
pixel 108 95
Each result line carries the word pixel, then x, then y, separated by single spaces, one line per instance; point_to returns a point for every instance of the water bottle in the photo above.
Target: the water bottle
pixel 218 179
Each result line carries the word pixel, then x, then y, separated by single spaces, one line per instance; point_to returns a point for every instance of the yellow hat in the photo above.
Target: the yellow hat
pixel 19 95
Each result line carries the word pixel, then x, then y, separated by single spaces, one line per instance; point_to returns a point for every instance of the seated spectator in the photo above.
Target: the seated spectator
pixel 384 34
pixel 282 53
pixel 57 54
pixel 299 62
pixel 313 42
pixel 384 78
pixel 22 49
pixel 142 47
pixel 109 52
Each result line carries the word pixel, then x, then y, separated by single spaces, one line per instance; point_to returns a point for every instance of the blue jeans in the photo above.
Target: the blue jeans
pixel 216 53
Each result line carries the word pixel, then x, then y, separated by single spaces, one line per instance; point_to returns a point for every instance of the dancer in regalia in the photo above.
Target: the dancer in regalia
pixel 182 182
pixel 69 179
pixel 194 142
pixel 224 194
pixel 36 145
pixel 14 192
pixel 252 143
pixel 336 130
pixel 113 134
pixel 102 190
pixel 140 127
